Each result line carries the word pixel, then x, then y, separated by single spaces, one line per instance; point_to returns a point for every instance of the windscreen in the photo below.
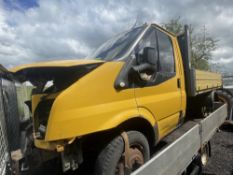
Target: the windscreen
pixel 118 46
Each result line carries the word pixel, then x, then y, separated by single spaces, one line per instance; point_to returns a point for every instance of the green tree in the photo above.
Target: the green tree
pixel 202 44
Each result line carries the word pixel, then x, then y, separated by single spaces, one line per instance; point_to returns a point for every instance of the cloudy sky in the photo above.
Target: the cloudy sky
pixel 38 30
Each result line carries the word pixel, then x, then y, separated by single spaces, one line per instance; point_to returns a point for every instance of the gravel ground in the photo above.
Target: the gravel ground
pixel 221 162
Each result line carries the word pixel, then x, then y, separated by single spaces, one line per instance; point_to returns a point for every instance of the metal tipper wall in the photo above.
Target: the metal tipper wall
pixel 4 156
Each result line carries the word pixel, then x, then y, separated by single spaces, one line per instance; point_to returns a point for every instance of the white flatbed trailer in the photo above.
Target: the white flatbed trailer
pixel 183 145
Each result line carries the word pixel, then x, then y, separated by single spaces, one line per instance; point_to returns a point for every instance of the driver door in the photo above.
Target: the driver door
pixel 159 92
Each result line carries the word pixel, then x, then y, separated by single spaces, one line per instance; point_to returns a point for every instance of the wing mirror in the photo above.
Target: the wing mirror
pixel 147 62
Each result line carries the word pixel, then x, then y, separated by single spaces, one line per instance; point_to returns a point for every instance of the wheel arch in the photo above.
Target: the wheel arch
pixel 136 123
pixel 142 125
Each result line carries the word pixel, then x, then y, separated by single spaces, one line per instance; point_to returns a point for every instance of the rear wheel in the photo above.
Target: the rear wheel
pixel 114 159
pixel 199 162
pixel 227 98
pixel 205 154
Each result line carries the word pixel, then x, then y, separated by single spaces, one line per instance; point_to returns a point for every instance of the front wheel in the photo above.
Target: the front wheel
pixel 111 160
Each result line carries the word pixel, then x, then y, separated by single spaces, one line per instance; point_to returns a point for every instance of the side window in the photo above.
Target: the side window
pixel 166 57
pixel 164 62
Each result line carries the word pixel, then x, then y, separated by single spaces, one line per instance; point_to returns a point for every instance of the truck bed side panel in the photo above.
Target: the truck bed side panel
pixel 207 80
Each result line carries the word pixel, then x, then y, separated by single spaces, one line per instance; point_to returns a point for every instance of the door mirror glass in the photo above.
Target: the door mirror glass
pixel 150 56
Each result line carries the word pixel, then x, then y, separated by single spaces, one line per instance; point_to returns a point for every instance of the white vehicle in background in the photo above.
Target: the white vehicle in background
pixel 4 156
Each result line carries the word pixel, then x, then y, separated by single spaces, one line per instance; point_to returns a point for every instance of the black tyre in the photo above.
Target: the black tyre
pixel 110 161
pixel 226 98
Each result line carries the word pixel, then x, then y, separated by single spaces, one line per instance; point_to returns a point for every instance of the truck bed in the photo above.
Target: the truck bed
pixel 206 80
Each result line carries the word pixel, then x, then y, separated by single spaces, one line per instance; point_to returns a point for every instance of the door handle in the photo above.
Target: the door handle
pixel 178 83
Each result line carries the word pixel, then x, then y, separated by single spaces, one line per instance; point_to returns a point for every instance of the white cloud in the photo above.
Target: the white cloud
pixel 59 29
pixel 10 51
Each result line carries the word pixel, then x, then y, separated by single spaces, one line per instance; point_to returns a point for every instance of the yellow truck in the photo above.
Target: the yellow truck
pixel 118 103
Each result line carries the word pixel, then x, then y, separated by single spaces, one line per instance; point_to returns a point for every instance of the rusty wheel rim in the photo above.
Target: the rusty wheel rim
pixel 135 160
